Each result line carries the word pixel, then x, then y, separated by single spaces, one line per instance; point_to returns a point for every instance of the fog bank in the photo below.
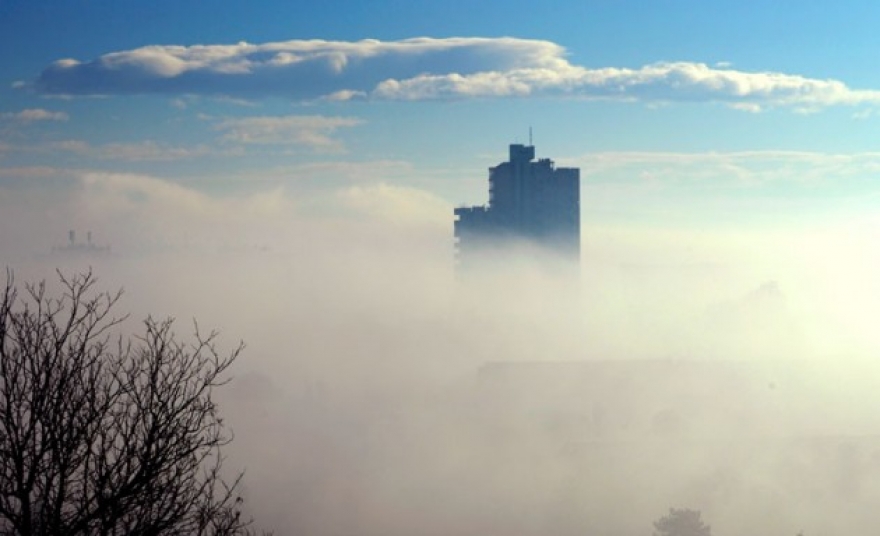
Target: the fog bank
pixel 730 371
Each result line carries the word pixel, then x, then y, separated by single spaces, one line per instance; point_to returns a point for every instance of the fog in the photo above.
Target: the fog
pixel 381 393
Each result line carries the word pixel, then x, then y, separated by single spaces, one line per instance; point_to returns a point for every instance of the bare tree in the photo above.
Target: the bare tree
pixel 681 522
pixel 107 435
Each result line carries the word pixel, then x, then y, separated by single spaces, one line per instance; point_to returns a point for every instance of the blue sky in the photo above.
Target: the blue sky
pixel 679 113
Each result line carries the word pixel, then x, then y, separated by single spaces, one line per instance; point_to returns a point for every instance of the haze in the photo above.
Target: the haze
pixel 287 175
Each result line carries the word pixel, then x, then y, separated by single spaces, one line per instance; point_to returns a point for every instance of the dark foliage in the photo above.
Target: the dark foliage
pixel 681 522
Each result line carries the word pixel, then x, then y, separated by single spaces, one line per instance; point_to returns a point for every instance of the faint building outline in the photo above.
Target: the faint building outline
pixel 81 248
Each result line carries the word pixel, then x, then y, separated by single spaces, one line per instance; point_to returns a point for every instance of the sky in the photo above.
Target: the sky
pixel 704 132
pixel 287 172
pixel 710 111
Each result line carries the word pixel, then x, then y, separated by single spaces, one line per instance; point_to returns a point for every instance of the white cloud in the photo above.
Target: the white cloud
pixel 747 107
pixel 125 192
pixel 35 172
pixel 345 95
pixel 803 173
pixel 326 173
pixel 186 101
pixel 397 204
pixel 136 210
pixel 30 115
pixel 137 151
pixel 664 82
pixel 313 131
pixel 426 68
pixel 297 69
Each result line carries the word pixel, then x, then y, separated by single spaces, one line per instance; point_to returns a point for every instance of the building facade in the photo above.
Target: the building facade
pixel 531 202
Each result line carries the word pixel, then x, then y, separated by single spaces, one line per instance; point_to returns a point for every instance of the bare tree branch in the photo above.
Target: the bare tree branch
pixel 104 435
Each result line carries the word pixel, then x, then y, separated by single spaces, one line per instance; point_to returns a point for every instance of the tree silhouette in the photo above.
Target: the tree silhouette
pixel 103 434
pixel 681 522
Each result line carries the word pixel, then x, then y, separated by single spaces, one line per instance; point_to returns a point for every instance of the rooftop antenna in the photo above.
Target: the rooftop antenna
pixel 530 135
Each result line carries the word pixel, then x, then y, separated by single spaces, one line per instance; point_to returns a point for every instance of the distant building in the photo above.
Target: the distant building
pixel 530 201
pixel 87 248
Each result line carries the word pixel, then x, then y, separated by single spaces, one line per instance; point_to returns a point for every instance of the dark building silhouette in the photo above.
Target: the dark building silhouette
pixel 530 201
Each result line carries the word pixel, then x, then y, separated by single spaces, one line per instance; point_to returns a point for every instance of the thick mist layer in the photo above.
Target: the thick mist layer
pixel 383 393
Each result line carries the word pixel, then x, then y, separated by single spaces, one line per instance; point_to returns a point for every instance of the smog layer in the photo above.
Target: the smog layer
pixel 728 370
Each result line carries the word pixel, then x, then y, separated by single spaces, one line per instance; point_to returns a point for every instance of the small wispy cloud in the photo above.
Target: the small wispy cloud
pixel 134 152
pixel 807 170
pixel 30 115
pixel 312 131
pixel 427 68
pixel 33 172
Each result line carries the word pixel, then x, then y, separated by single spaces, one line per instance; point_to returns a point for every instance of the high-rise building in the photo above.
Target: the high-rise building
pixel 530 201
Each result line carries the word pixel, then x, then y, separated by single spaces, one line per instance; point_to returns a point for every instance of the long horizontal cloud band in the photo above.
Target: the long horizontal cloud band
pixel 426 68
pixel 299 69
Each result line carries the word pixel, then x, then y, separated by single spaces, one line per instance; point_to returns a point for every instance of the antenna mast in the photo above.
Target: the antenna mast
pixel 530 135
